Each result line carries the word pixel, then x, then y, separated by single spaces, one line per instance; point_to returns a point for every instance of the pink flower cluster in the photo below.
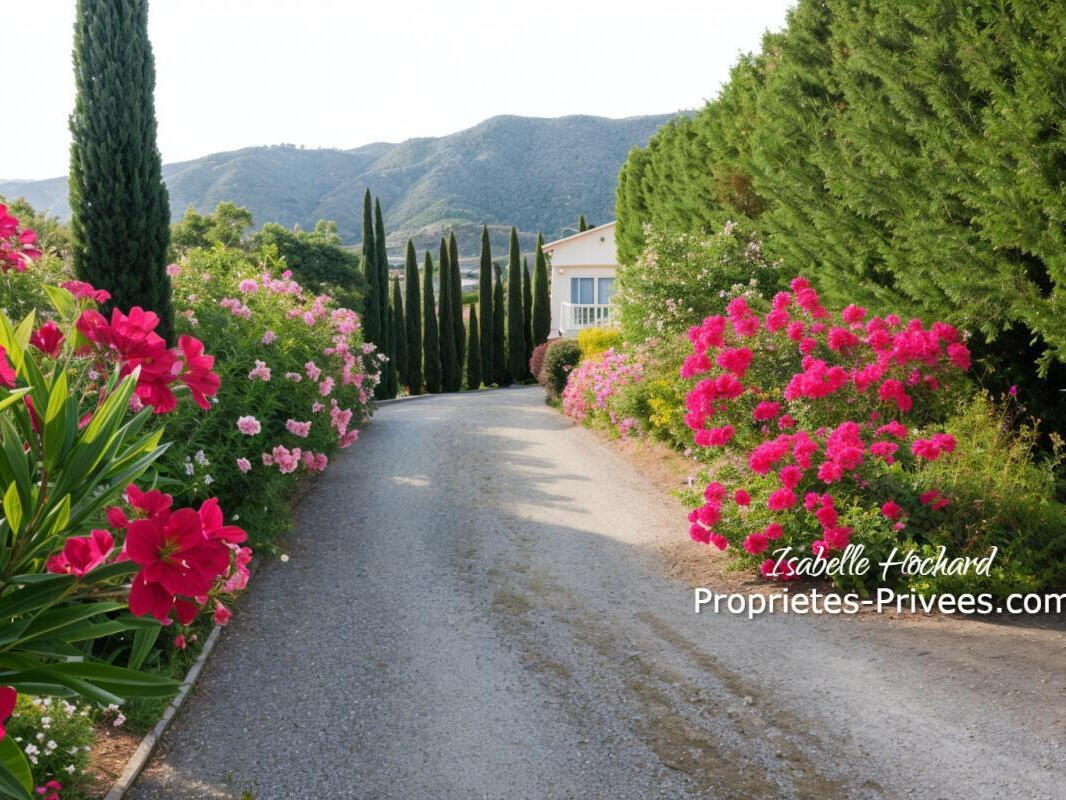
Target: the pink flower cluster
pixel 18 246
pixel 850 377
pixel 594 382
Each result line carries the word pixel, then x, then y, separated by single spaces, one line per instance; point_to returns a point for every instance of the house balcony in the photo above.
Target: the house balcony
pixel 584 315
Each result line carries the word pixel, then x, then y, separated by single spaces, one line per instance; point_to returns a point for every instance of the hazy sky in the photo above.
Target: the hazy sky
pixel 342 73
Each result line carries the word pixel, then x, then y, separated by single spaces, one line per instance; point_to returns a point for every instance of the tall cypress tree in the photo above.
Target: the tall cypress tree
pixel 582 226
pixel 382 253
pixel 120 214
pixel 542 313
pixel 371 302
pixel 499 344
pixel 430 333
pixel 484 296
pixel 450 370
pixel 413 322
pixel 517 364
pixel 399 333
pixel 455 283
pixel 527 309
pixel 390 386
pixel 473 352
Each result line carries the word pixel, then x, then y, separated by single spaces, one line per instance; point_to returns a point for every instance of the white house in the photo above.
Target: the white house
pixel 583 269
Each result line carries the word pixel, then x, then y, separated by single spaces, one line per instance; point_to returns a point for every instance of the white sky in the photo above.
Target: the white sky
pixel 342 73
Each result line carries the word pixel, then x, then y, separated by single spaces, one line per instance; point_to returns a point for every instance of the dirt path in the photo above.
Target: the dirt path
pixel 475 607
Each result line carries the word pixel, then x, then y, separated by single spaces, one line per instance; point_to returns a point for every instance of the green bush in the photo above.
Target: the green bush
pixel 561 357
pixel 594 341
pixel 56 736
pixel 906 155
pixel 681 278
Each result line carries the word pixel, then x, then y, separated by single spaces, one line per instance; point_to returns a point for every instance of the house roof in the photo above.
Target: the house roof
pixel 565 239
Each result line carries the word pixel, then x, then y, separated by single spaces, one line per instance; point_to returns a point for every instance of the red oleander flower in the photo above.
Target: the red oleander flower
pixel 48 339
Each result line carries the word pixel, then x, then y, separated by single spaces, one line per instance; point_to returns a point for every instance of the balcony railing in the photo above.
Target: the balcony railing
pixel 584 315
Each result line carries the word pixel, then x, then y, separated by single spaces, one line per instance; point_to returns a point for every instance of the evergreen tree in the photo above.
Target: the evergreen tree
pixel 527 309
pixel 499 344
pixel 450 365
pixel 413 322
pixel 382 253
pixel 455 283
pixel 473 352
pixel 542 314
pixel 399 334
pixel 484 296
pixel 388 387
pixel 430 332
pixel 371 307
pixel 582 226
pixel 517 363
pixel 120 214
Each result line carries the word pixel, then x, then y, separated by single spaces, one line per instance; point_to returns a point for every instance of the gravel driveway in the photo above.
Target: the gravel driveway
pixel 475 607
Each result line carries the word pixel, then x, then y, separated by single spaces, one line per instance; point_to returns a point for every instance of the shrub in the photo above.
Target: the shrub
pixel 80 401
pixel 591 386
pixel 294 386
pixel 657 401
pixel 594 341
pixel 824 434
pixel 61 753
pixel 536 362
pixel 680 278
pixel 562 356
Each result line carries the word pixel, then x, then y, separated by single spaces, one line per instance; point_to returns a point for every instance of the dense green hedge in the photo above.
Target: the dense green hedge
pixel 908 154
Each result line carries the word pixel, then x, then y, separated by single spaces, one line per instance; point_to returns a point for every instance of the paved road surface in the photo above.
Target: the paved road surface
pixel 475 607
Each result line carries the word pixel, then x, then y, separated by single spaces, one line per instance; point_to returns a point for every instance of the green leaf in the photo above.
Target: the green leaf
pixel 143 641
pixel 58 397
pixel 62 301
pixel 13 508
pixel 16 780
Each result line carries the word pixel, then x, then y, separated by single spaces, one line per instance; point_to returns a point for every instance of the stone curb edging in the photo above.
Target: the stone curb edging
pixel 147 746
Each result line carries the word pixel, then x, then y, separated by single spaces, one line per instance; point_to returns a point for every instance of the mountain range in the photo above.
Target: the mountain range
pixel 534 173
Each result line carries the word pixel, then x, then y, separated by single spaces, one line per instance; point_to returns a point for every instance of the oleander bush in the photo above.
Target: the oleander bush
pixel 680 278
pixel 536 362
pixel 818 430
pixel 297 382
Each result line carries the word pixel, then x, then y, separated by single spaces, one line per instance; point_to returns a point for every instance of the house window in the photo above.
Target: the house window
pixel 604 290
pixel 581 290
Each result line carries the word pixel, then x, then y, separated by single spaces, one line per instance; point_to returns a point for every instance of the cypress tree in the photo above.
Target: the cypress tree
pixel 455 283
pixel 390 386
pixel 499 345
pixel 371 307
pixel 484 296
pixel 413 322
pixel 473 352
pixel 120 214
pixel 430 333
pixel 399 333
pixel 527 309
pixel 582 226
pixel 542 314
pixel 517 364
pixel 450 365
pixel 381 251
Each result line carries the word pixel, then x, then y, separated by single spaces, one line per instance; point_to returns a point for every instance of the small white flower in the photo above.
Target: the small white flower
pixel 208 480
pixel 70 769
pixel 284 557
pixel 189 468
pixel 200 458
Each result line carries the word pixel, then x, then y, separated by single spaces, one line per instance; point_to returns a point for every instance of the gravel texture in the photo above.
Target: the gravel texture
pixel 475 607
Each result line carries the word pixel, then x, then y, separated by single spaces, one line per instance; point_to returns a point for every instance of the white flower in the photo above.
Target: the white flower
pixel 208 480
pixel 70 769
pixel 284 557
pixel 189 468
pixel 200 458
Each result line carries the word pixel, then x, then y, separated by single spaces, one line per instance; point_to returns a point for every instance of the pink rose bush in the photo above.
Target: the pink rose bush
pixel 816 425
